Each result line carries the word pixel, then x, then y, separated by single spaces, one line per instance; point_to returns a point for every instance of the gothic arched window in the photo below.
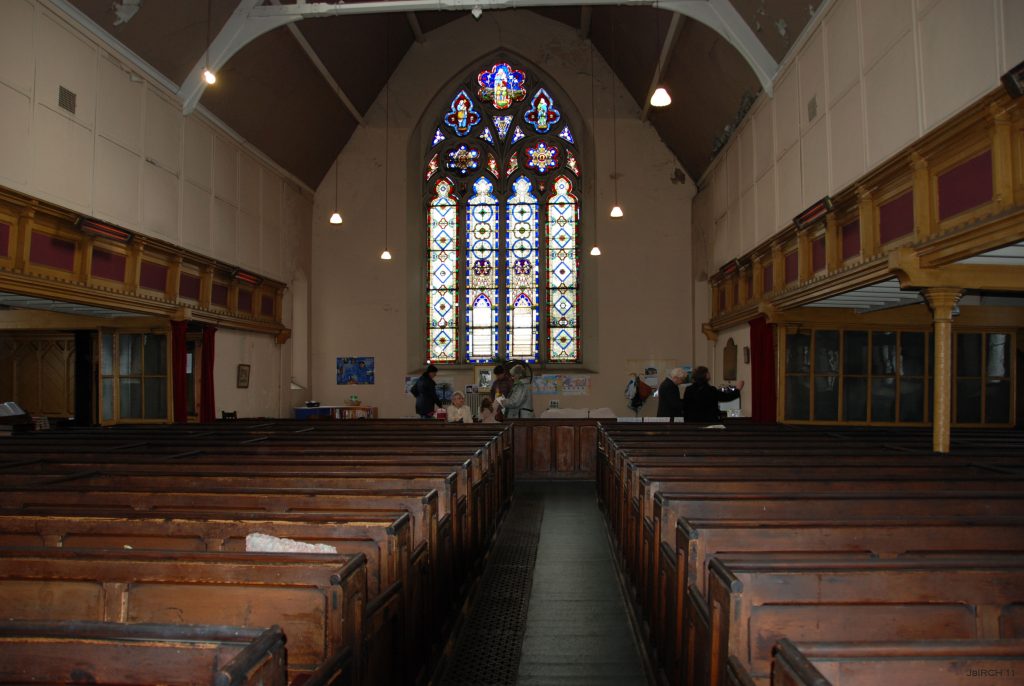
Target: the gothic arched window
pixel 501 191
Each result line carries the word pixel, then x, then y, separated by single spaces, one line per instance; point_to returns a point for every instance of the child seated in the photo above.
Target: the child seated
pixel 459 411
pixel 486 414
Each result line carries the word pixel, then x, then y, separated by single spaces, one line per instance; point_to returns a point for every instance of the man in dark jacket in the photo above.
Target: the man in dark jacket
pixel 669 402
pixel 700 402
pixel 425 391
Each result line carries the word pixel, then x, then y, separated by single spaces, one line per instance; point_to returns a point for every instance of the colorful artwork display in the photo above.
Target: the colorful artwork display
pixel 462 117
pixel 443 300
pixel 561 384
pixel 542 114
pixel 501 85
pixel 542 157
pixel 355 370
pixel 516 274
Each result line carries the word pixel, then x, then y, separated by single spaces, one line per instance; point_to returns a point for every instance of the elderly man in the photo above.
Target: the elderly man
pixel 700 402
pixel 670 403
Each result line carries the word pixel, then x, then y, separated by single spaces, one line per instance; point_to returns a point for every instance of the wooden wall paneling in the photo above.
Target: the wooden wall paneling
pixel 522 444
pixel 541 444
pixel 565 448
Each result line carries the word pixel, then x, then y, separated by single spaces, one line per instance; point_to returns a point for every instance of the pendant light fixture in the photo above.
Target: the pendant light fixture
pixel 616 212
pixel 208 74
pixel 595 251
pixel 336 215
pixel 386 255
pixel 660 96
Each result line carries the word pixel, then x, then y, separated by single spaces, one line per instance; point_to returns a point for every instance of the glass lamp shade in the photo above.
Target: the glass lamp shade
pixel 335 218
pixel 660 98
pixel 595 251
pixel 386 255
pixel 616 212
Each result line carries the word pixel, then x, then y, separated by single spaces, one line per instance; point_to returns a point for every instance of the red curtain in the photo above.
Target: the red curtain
pixel 762 371
pixel 178 380
pixel 207 404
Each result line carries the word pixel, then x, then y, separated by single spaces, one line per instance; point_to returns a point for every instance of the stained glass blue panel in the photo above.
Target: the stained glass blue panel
pixel 563 270
pixel 501 124
pixel 463 159
pixel 482 273
pixel 487 136
pixel 542 157
pixel 462 117
pixel 523 270
pixel 501 85
pixel 518 135
pixel 566 135
pixel 542 114
pixel 438 137
pixel 442 268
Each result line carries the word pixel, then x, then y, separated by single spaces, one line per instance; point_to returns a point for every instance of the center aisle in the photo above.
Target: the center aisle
pixel 577 630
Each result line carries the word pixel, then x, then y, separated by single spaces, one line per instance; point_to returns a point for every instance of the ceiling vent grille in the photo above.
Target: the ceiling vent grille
pixel 66 99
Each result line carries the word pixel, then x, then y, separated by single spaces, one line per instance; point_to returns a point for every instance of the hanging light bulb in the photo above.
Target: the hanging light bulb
pixel 209 76
pixel 336 216
pixel 616 211
pixel 595 251
pixel 660 98
pixel 386 255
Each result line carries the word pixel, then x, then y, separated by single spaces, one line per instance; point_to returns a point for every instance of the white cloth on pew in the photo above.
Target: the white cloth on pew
pixel 264 543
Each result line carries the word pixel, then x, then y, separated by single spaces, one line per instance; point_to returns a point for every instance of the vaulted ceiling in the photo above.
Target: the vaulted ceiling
pixel 272 80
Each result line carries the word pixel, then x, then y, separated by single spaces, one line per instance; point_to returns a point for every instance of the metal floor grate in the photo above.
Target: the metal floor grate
pixel 490 643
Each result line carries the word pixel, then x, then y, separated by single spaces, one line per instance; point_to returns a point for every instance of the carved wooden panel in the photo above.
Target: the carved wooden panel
pixel 565 448
pixel 522 445
pixel 38 373
pixel 588 449
pixel 541 443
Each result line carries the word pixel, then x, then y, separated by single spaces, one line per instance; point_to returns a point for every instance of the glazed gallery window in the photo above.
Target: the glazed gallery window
pixel 501 192
pixel 885 377
pixel 133 376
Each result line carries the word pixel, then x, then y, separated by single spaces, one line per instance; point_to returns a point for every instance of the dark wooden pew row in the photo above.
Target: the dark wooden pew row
pixel 130 654
pixel 907 663
pixel 318 600
pixel 682 581
pixel 758 599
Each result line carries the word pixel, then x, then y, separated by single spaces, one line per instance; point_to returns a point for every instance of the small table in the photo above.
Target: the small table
pixel 336 412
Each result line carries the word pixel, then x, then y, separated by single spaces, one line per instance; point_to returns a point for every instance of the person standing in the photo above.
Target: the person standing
pixel 670 404
pixel 425 391
pixel 519 402
pixel 700 402
pixel 501 386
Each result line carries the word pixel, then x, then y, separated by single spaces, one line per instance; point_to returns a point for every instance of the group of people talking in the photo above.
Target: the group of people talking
pixel 699 403
pixel 511 397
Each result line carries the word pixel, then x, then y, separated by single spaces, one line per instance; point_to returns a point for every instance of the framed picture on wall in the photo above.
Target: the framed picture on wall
pixel 242 380
pixel 484 378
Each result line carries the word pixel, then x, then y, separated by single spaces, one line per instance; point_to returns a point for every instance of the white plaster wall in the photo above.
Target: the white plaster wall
pixel 881 74
pixel 636 297
pixel 128 155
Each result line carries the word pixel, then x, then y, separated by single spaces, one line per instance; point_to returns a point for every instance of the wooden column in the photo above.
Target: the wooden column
pixel 1002 156
pixel 867 218
pixel 942 302
pixel 833 244
pixel 803 255
pixel 924 226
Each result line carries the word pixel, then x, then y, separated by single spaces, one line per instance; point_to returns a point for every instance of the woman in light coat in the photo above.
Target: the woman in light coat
pixel 519 402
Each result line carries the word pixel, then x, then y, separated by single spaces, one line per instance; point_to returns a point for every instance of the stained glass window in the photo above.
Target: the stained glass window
pixel 513 264
pixel 443 298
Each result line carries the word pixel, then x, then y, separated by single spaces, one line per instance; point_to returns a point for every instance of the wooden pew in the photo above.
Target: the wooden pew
pixel 318 600
pixel 127 654
pixel 907 663
pixel 683 576
pixel 758 599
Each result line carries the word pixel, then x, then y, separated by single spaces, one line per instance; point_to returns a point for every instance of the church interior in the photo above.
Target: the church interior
pixel 254 253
